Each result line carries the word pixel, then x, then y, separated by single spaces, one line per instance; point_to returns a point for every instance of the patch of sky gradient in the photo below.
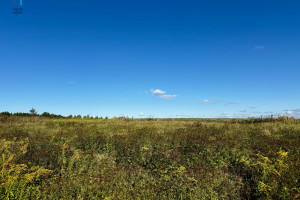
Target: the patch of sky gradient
pixel 207 58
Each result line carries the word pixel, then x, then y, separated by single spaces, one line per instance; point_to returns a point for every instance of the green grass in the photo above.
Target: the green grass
pixel 149 159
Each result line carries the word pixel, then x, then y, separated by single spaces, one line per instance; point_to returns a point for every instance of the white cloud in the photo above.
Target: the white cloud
pixel 259 47
pixel 141 114
pixel 225 115
pixel 205 101
pixel 289 112
pixel 243 111
pixel 293 112
pixel 162 94
pixel 168 96
pixel 158 92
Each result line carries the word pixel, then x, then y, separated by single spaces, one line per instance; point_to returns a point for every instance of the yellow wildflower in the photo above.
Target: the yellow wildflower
pixel 192 179
pixel 283 153
pixel 181 169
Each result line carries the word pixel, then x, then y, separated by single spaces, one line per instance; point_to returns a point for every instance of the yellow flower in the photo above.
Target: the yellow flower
pixel 283 153
pixel 76 155
pixel 263 187
pixel 276 172
pixel 29 177
pixel 144 148
pixel 181 169
pixel 265 159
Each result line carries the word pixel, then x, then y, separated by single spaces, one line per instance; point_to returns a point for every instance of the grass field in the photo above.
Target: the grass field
pixel 149 158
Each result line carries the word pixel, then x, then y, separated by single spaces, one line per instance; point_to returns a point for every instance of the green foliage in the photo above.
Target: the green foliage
pixel 33 111
pixel 122 158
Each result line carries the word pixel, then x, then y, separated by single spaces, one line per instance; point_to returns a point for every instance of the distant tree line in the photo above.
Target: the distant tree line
pixel 33 113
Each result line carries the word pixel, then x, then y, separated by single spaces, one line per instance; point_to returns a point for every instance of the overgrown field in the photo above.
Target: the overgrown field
pixel 149 159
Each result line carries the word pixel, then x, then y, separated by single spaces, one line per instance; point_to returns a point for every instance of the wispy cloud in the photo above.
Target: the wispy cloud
pixel 268 112
pixel 252 107
pixel 214 101
pixel 143 92
pixel 245 114
pixel 230 103
pixel 168 96
pixel 259 47
pixel 225 115
pixel 182 115
pixel 241 114
pixel 293 112
pixel 162 94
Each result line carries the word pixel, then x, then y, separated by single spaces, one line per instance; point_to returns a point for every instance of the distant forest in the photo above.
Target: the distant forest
pixel 261 119
pixel 33 113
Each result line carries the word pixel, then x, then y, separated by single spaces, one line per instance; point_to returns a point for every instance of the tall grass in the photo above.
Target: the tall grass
pixel 149 159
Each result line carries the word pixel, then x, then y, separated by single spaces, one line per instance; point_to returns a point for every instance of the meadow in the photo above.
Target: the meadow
pixel 43 158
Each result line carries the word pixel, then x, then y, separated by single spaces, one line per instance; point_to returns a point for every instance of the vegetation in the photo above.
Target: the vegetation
pixel 73 158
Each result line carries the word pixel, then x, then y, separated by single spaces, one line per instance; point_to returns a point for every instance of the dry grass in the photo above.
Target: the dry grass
pixel 149 159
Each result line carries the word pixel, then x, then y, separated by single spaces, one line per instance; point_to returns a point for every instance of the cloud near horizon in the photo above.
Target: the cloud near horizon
pixel 141 114
pixel 293 112
pixel 182 115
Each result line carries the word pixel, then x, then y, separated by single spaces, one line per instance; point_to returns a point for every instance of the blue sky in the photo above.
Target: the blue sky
pixel 187 58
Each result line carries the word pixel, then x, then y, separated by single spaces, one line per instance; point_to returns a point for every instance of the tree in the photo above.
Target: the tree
pixel 33 111
pixel 5 114
pixel 46 114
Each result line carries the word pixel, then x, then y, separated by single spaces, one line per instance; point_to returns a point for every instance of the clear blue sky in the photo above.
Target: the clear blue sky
pixel 202 58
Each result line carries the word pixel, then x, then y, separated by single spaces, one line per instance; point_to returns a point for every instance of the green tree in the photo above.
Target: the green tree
pixel 33 111
pixel 70 116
